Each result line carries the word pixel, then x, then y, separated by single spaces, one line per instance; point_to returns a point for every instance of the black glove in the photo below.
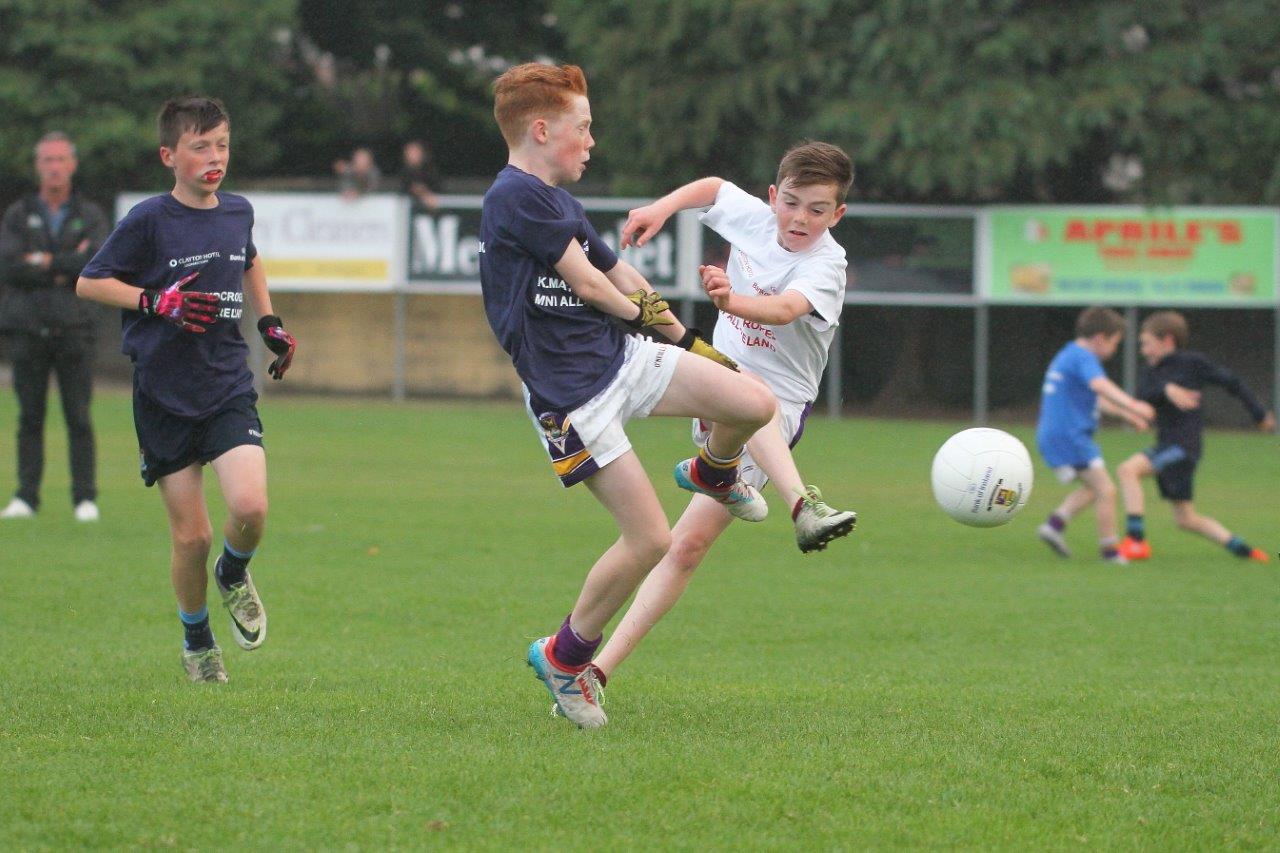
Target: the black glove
pixel 193 310
pixel 279 342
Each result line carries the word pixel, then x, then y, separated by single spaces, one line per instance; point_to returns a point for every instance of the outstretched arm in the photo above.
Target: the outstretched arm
pixel 1114 400
pixel 645 222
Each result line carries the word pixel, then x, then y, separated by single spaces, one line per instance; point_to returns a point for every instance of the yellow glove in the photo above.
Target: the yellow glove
pixel 696 344
pixel 652 307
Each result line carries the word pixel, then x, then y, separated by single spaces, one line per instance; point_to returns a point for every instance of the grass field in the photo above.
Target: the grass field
pixel 921 684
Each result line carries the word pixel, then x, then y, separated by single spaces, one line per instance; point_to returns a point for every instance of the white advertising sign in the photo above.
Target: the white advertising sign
pixel 321 241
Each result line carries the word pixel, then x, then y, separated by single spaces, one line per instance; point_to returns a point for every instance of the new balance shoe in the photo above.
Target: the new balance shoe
pixel 817 523
pixel 1134 549
pixel 577 693
pixel 204 665
pixel 1054 539
pixel 17 508
pixel 248 619
pixel 742 500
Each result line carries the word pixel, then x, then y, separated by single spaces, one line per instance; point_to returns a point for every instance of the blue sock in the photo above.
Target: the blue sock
pixel 1136 528
pixel 232 565
pixel 1239 547
pixel 198 634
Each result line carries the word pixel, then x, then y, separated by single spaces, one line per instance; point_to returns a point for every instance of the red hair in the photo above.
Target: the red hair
pixel 531 91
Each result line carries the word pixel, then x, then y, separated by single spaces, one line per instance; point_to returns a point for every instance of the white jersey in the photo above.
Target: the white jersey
pixel 790 358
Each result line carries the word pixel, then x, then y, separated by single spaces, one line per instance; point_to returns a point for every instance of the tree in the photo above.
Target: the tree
pixel 100 71
pixel 943 100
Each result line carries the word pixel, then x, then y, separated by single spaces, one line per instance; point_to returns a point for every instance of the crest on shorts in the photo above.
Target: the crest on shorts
pixel 557 433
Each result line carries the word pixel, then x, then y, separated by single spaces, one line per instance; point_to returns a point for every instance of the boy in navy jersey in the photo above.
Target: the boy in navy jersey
pixel 180 266
pixel 1172 383
pixel 553 292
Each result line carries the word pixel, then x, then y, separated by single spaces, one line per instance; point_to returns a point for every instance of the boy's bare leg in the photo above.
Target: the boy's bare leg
pixel 242 477
pixel 701 524
pixel 1130 473
pixel 1186 517
pixel 1076 500
pixel 624 489
pixel 1104 498
pixel 771 452
pixel 191 534
pixel 736 404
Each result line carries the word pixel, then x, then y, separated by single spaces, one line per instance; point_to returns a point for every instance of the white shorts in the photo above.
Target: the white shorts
pixel 1067 473
pixel 790 423
pixel 591 436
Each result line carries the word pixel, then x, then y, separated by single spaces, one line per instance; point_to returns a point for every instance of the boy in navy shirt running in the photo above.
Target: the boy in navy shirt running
pixel 1172 383
pixel 553 292
pixel 180 266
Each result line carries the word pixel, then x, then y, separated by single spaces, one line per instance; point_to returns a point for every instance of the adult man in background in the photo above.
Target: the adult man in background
pixel 46 238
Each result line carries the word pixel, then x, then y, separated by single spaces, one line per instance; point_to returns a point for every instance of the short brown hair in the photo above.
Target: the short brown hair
pixel 526 91
pixel 1098 321
pixel 1172 323
pixel 194 113
pixel 807 163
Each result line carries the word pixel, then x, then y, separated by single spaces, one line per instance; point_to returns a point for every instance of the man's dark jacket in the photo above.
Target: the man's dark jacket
pixel 38 301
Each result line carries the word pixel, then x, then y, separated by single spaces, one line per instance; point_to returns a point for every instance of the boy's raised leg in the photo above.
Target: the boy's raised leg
pixel 737 406
pixel 242 476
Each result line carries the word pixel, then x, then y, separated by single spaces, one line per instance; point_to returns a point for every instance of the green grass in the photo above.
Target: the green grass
pixel 921 684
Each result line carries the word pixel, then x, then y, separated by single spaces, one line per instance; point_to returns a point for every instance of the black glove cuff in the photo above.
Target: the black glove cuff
pixel 147 300
pixel 691 334
pixel 268 321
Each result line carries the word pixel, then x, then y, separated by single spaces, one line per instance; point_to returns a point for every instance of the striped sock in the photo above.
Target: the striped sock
pixel 714 472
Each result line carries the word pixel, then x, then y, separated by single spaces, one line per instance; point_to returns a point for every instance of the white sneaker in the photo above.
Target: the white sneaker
pixel 817 524
pixel 248 617
pixel 86 511
pixel 205 666
pixel 577 694
pixel 1054 539
pixel 18 508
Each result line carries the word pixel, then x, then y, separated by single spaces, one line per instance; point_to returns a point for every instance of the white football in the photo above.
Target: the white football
pixel 982 477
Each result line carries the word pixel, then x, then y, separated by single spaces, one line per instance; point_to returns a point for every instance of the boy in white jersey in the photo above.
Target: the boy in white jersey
pixel 780 302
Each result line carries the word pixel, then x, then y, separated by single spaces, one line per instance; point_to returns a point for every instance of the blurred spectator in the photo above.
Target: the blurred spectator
pixel 419 177
pixel 360 176
pixel 46 238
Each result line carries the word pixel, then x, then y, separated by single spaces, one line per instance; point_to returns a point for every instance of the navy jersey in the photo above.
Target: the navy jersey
pixel 1194 371
pixel 160 241
pixel 564 350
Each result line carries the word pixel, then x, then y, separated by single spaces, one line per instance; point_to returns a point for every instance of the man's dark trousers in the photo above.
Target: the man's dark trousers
pixel 67 355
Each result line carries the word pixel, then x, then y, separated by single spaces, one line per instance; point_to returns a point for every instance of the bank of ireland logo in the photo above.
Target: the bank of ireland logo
pixel 556 433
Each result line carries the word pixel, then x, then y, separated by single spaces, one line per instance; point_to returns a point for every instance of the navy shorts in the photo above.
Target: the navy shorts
pixel 1175 471
pixel 168 443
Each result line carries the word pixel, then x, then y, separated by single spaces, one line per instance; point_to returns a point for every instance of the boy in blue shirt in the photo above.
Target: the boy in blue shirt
pixel 180 265
pixel 1172 383
pixel 553 293
pixel 1075 388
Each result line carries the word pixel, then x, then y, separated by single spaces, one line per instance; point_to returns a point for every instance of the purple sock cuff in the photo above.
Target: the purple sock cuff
pixel 571 649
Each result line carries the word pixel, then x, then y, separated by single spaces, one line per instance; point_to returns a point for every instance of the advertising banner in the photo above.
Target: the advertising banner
pixel 321 241
pixel 444 243
pixel 1124 255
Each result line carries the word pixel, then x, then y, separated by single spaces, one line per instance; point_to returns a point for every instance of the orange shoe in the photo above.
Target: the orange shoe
pixel 1132 549
pixel 1259 556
